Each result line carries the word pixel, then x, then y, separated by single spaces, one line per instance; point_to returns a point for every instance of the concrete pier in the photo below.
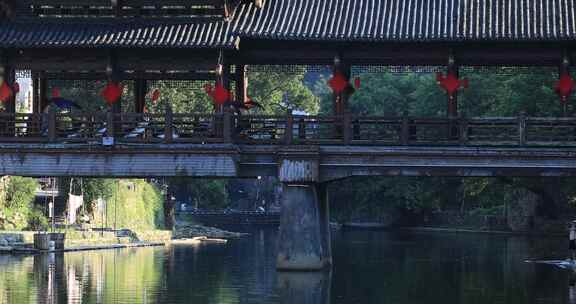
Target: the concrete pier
pixel 304 235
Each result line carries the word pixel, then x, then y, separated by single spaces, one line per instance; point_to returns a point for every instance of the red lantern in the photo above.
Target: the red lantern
pixel 219 94
pixel 338 83
pixel 155 96
pixel 55 92
pixel 565 86
pixel 5 92
pixel 451 83
pixel 112 92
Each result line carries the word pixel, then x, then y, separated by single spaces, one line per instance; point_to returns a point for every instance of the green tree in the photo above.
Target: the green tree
pixel 274 89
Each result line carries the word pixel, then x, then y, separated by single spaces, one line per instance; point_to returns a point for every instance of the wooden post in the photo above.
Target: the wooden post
pixel 168 125
pixel 225 79
pixel 565 69
pixel 301 129
pixel 288 132
pixel 463 132
pixel 52 126
pixel 452 110
pixel 140 89
pixel 522 129
pixel 405 131
pixel 340 101
pixel 117 7
pixel 43 92
pixel 227 127
pixel 110 124
pixel 113 75
pixel 241 84
pixel 347 128
pixel 36 102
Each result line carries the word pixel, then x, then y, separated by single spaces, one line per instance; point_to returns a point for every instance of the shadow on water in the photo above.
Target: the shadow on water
pixel 370 267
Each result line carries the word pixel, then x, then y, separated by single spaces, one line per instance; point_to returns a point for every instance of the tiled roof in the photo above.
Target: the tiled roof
pixel 333 20
pixel 409 20
pixel 202 34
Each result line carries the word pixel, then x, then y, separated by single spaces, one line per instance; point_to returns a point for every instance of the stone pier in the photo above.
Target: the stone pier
pixel 304 235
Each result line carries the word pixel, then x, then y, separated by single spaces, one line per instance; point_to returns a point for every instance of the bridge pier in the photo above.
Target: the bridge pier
pixel 304 235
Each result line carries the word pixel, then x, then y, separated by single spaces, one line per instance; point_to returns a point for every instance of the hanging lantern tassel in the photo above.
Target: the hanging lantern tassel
pixel 155 96
pixel 565 86
pixel 5 91
pixel 112 92
pixel 357 83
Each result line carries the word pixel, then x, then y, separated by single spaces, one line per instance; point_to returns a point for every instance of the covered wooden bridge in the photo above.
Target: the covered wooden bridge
pixel 139 41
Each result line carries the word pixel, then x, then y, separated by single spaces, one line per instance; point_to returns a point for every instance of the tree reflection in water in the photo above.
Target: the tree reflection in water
pixel 369 267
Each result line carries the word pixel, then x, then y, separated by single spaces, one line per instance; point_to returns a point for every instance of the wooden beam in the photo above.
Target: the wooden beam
pixel 129 75
pixel 500 53
pixel 93 59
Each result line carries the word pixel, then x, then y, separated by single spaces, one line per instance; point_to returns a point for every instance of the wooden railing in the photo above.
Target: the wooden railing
pixel 177 128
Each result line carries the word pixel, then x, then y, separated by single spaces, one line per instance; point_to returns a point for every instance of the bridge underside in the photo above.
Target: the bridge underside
pixel 324 162
pixel 120 161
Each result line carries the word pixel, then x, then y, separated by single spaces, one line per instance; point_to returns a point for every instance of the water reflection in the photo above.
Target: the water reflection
pixel 370 267
pixel 304 288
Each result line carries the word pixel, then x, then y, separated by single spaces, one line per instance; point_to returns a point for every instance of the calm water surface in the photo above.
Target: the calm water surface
pixel 370 267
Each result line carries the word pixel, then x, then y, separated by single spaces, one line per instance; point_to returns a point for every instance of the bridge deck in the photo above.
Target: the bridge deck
pixel 248 146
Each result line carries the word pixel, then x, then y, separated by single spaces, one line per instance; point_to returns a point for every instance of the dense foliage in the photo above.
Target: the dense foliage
pixel 134 204
pixel 17 210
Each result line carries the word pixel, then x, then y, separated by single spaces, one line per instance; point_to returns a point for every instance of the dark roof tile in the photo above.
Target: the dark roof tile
pixel 214 34
pixel 412 20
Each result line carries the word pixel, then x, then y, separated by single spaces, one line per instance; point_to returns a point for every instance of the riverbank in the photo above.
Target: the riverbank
pixel 23 241
pixel 81 240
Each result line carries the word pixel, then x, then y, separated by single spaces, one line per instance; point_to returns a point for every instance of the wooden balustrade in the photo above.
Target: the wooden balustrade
pixel 286 129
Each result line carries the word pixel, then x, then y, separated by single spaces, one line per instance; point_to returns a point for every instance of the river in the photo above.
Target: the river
pixel 369 267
